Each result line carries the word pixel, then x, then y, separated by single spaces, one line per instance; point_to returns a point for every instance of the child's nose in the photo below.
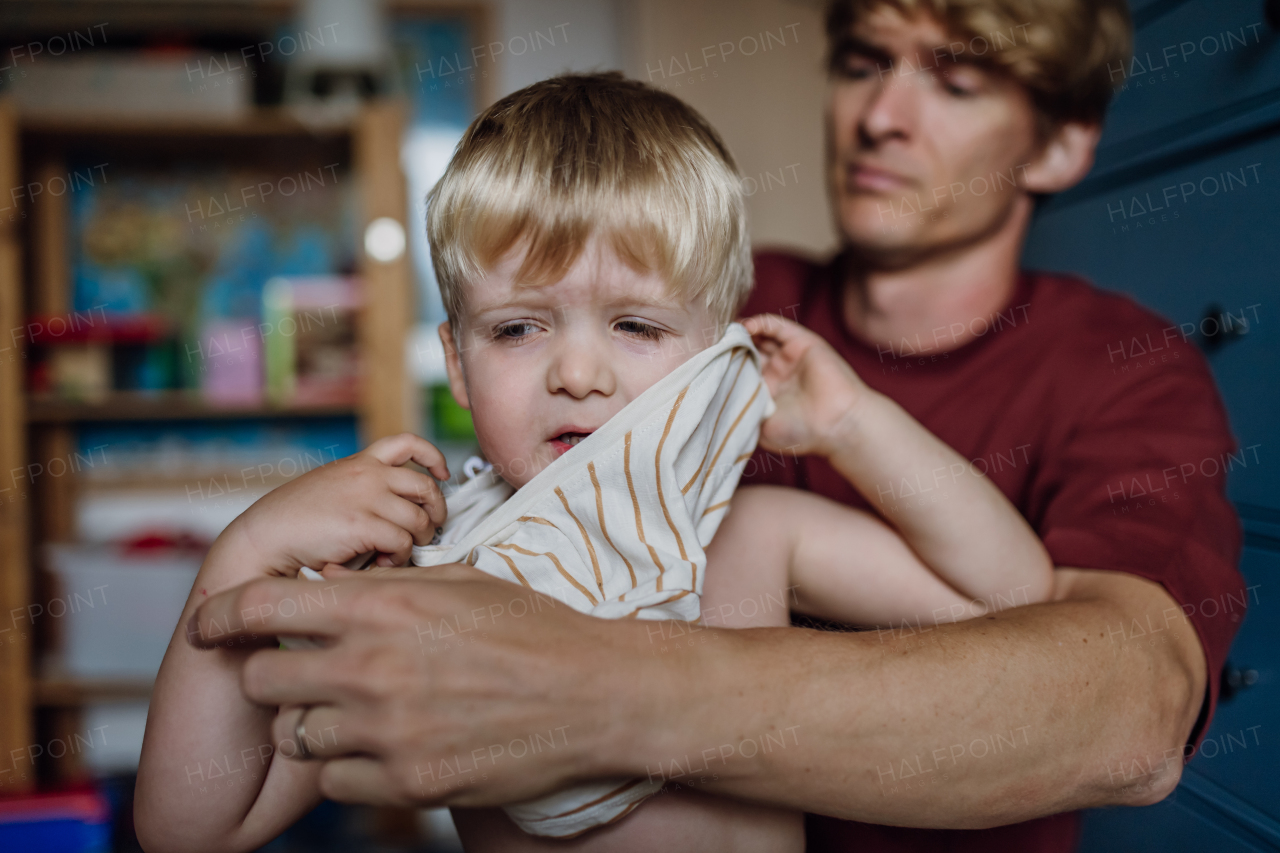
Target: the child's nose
pixel 580 369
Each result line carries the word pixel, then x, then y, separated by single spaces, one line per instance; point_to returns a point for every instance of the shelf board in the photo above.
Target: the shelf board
pixel 166 406
pixel 72 692
pixel 277 122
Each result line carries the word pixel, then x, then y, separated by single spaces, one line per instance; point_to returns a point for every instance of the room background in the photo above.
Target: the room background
pixel 213 278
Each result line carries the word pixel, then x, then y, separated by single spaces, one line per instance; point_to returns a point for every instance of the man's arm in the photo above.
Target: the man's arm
pixel 997 720
pixel 856 725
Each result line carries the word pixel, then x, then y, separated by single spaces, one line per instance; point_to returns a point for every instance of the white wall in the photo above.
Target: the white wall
pixel 754 69
pixel 768 105
pixel 592 38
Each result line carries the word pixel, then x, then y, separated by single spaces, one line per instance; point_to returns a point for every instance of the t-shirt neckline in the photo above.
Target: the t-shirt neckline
pixel 1021 294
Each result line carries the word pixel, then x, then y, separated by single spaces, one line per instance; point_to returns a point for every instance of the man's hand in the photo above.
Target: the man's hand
pixel 365 502
pixel 814 389
pixel 435 685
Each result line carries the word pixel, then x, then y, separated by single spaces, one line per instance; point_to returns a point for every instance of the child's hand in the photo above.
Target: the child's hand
pixel 365 502
pixel 812 386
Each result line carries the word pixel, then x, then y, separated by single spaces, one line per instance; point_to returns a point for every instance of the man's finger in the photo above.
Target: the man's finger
pixel 270 607
pixel 291 677
pixel 322 734
pixel 366 781
pixel 396 450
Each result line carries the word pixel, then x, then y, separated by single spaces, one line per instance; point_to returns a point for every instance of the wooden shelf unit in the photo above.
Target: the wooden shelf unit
pixel 32 429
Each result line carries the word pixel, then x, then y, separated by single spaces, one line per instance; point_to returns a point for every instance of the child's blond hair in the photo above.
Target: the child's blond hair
pixel 570 157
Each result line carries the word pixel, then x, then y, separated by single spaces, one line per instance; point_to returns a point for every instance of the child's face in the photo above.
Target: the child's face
pixel 540 367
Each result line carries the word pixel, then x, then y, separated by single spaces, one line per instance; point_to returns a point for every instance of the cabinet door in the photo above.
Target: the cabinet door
pixel 1242 749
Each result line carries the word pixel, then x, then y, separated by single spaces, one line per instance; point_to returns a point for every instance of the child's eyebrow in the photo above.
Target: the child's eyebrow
pixel 646 302
pixel 533 298
pixel 523 298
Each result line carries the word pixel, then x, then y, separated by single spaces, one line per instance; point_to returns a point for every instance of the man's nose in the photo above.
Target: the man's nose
pixel 891 110
pixel 580 367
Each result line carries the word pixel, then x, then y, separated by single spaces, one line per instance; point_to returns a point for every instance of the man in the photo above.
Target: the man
pixel 988 733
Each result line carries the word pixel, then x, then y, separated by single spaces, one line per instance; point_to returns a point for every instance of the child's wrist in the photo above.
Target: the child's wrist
pixel 846 427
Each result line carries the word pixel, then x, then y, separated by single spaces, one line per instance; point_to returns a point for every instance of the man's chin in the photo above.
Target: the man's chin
pixel 886 243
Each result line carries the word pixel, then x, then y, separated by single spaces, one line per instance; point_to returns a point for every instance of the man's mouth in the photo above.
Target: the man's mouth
pixel 865 178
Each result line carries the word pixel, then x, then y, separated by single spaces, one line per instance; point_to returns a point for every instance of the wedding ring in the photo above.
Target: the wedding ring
pixel 300 732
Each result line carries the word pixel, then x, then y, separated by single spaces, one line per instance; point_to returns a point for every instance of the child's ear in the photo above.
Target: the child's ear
pixel 453 364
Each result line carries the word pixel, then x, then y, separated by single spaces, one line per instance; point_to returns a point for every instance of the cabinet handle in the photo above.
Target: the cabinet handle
pixel 1235 679
pixel 1219 328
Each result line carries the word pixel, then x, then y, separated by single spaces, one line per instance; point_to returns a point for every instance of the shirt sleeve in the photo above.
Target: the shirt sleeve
pixel 1140 487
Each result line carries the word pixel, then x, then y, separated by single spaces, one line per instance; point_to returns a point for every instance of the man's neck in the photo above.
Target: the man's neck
pixel 927 302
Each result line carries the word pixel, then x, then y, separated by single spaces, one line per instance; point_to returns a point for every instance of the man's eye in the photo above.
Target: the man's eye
pixel 856 69
pixel 514 331
pixel 957 85
pixel 640 329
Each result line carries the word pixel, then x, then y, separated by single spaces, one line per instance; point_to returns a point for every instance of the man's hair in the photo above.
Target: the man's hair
pixel 553 164
pixel 1069 54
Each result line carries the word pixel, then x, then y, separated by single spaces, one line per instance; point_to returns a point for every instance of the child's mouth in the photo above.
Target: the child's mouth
pixel 566 440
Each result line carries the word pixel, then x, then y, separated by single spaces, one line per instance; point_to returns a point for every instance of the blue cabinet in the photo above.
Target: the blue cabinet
pixel 1181 212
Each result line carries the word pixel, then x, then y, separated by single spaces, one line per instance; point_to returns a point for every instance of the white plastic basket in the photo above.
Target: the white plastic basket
pixel 116 610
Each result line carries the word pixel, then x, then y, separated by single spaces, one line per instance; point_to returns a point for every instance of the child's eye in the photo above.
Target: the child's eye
pixel 515 331
pixel 640 329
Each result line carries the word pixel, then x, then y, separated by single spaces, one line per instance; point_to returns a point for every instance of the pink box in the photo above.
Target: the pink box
pixel 231 372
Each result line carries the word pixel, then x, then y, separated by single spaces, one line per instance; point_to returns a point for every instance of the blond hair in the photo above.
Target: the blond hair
pixel 1065 52
pixel 553 164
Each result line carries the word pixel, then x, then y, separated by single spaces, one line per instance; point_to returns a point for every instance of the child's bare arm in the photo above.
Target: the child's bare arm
pixel 795 549
pixel 209 777
pixel 954 520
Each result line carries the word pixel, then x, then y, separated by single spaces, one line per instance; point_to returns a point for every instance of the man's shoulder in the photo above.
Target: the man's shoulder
pixel 1109 331
pixel 1090 313
pixel 1105 347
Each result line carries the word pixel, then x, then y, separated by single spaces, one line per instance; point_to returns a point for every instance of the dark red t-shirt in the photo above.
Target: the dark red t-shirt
pixel 1096 418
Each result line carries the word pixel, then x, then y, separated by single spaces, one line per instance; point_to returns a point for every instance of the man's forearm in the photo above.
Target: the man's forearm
pixel 1033 711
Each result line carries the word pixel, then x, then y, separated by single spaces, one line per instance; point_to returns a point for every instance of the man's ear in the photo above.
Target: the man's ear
pixel 1064 159
pixel 453 364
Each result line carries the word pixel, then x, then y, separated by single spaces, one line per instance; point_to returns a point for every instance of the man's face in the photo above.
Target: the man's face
pixel 541 367
pixel 925 147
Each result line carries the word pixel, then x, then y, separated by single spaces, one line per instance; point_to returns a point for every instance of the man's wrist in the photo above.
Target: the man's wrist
pixel 652 694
